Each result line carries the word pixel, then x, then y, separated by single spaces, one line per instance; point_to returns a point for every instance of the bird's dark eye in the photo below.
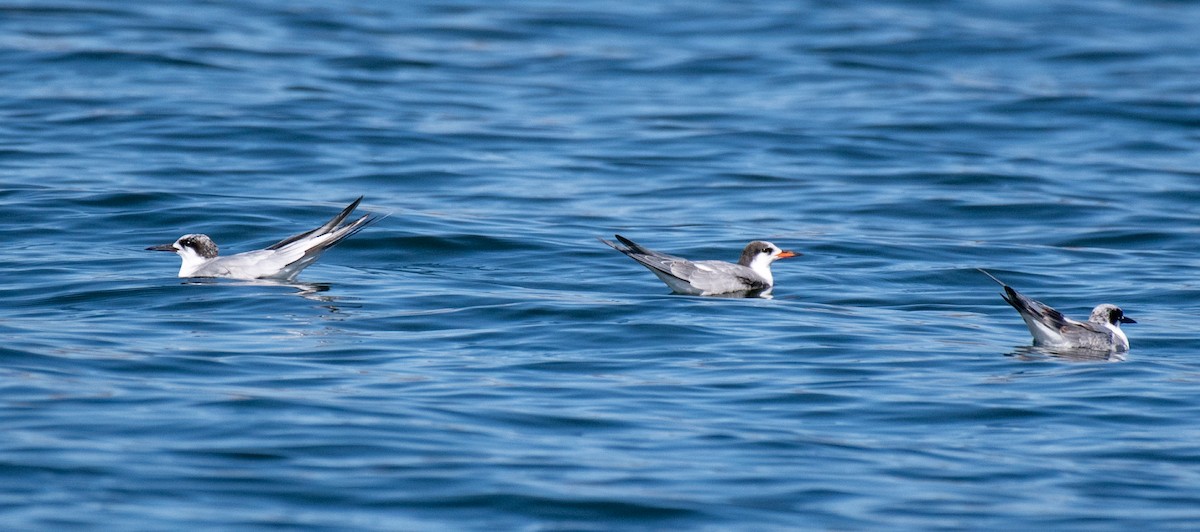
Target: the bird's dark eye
pixel 767 251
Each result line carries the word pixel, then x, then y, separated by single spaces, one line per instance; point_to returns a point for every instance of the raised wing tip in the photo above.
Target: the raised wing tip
pixel 328 227
pixel 350 208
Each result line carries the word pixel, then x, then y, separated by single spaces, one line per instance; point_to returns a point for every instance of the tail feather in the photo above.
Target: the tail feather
pixel 350 229
pixel 998 281
pixel 612 244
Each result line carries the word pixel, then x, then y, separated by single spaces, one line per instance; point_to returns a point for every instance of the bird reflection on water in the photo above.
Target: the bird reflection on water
pixel 305 289
pixel 1033 353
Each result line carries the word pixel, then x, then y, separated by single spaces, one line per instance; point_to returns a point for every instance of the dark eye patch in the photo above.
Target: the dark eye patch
pixel 201 245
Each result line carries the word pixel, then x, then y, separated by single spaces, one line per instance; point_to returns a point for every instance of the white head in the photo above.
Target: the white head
pixel 194 249
pixel 1111 316
pixel 759 255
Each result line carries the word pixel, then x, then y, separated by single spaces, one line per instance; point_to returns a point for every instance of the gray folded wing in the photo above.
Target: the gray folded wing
pixel 1050 326
pixel 692 277
pixel 286 258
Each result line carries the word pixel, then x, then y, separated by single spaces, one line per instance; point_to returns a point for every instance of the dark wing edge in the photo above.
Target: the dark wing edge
pixel 634 246
pixel 649 258
pixel 327 227
pixel 754 284
pixel 352 228
pixel 311 254
pixel 1037 309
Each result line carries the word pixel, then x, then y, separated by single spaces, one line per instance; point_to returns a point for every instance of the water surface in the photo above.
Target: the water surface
pixel 477 360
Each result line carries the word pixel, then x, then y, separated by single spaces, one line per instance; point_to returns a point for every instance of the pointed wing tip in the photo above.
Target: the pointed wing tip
pixel 626 241
pixel 350 208
pixel 333 223
pixel 634 247
pixel 328 227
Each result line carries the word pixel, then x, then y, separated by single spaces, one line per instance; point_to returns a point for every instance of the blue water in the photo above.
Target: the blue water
pixel 477 360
